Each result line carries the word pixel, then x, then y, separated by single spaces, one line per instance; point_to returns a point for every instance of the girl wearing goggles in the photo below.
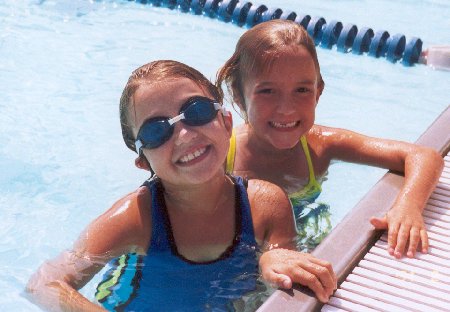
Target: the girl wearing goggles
pixel 196 237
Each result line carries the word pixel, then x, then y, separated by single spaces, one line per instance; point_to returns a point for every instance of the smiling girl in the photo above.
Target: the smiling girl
pixel 274 78
pixel 195 233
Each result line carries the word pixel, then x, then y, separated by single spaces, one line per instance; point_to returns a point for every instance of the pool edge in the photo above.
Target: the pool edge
pixel 354 235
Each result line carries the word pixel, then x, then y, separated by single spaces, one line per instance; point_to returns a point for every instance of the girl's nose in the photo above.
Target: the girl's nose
pixel 286 106
pixel 184 133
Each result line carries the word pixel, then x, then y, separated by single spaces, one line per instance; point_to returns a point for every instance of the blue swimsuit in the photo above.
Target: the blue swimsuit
pixel 163 280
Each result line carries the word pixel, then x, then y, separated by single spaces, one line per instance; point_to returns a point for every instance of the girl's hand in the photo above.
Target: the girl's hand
pixel 403 225
pixel 284 267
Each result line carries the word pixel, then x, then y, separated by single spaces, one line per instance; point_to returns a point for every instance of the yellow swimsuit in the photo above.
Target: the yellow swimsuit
pixel 313 219
pixel 301 197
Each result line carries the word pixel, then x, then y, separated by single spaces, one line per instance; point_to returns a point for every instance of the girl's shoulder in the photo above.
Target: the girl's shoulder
pixel 259 189
pixel 129 206
pixel 320 138
pixel 126 223
pixel 326 137
pixel 266 197
pixel 272 214
pixel 327 143
pixel 323 131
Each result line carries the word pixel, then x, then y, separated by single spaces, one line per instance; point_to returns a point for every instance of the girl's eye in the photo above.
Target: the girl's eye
pixel 265 91
pixel 302 90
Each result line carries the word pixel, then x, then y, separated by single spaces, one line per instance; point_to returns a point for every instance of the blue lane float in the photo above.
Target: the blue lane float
pixel 348 38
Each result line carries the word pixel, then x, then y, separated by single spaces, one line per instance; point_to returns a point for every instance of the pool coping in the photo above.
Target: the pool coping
pixel 350 240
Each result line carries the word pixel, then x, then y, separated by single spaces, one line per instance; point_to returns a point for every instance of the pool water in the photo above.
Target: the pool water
pixel 63 65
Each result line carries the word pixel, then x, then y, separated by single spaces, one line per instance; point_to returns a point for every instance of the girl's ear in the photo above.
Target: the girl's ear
pixel 319 92
pixel 142 163
pixel 228 122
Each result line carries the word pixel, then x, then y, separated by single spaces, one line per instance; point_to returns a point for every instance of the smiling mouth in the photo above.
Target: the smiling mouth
pixel 191 156
pixel 284 125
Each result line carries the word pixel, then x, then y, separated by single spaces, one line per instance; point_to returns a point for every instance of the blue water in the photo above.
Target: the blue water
pixel 63 65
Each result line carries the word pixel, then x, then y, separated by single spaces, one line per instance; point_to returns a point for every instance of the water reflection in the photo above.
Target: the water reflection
pixel 313 224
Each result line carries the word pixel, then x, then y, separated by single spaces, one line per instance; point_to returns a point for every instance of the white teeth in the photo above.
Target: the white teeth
pixel 193 155
pixel 283 125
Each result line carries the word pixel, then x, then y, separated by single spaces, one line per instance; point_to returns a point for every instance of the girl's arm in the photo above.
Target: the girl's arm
pixel 54 286
pixel 280 263
pixel 421 166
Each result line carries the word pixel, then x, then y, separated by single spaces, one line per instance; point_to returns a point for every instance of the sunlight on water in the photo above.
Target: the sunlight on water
pixel 64 64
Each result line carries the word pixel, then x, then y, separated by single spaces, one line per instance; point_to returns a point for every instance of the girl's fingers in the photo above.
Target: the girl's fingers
pixel 285 267
pixel 392 238
pixel 379 223
pixel 278 280
pixel 424 240
pixel 324 270
pixel 414 238
pixel 323 263
pixel 402 239
pixel 312 282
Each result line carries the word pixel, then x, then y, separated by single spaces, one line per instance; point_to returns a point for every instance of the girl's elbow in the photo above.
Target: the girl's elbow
pixel 34 290
pixel 434 158
pixel 38 284
pixel 33 284
pixel 41 282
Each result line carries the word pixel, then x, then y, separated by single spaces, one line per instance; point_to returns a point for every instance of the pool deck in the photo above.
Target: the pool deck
pixel 351 239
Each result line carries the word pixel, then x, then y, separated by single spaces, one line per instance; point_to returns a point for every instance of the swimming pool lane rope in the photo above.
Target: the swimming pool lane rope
pixel 347 38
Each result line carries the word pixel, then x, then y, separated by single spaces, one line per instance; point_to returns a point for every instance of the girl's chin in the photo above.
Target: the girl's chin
pixel 203 171
pixel 284 142
pixel 286 146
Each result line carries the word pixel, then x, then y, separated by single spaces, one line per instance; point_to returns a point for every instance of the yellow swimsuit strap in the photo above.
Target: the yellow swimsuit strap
pixel 231 152
pixel 311 190
pixel 312 177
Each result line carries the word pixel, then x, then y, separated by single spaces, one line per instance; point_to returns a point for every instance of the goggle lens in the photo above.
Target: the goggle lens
pixel 198 113
pixel 155 132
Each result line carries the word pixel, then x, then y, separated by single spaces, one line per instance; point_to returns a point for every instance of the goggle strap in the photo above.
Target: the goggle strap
pixel 219 107
pixel 173 120
pixel 138 145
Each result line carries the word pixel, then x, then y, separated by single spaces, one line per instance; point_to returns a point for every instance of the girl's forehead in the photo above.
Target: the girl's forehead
pixel 292 59
pixel 165 93
pixel 161 98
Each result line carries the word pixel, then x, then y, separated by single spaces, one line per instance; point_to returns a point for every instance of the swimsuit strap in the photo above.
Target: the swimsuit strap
pixel 312 177
pixel 160 240
pixel 312 182
pixel 231 152
pixel 247 231
pixel 231 156
pixel 162 235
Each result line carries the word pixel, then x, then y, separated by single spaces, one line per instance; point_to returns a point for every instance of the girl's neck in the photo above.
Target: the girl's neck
pixel 259 146
pixel 202 198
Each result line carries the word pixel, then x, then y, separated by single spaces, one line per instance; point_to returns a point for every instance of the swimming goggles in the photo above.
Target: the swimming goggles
pixel 197 111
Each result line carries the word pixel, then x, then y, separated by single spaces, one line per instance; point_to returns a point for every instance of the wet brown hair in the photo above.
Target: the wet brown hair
pixel 158 71
pixel 256 50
